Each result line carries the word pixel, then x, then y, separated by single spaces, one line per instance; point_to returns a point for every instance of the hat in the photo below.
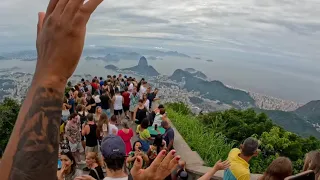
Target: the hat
pixel 113 146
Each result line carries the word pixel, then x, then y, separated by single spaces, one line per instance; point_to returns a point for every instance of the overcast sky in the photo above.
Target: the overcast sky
pixel 270 29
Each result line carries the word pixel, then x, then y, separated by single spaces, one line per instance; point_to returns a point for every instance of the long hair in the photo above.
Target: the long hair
pixel 279 169
pixel 102 120
pixel 95 156
pixel 312 162
pixel 158 142
pixel 74 164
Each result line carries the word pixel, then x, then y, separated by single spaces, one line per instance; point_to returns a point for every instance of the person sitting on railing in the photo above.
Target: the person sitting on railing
pixel 168 136
pixel 239 160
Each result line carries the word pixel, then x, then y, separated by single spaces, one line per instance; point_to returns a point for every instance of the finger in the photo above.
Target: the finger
pixel 41 16
pixel 174 163
pixel 60 7
pixel 168 158
pixel 156 163
pixel 88 8
pixel 71 9
pixel 136 166
pixel 51 7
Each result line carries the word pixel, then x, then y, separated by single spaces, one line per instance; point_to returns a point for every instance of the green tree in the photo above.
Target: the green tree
pixel 9 110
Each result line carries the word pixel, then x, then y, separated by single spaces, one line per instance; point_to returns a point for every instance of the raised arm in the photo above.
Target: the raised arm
pixel 32 151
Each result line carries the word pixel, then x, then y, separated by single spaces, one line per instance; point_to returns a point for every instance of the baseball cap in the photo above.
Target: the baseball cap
pixel 113 146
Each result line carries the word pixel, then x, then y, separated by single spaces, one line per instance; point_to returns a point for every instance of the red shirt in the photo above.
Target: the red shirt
pixel 126 98
pixel 94 85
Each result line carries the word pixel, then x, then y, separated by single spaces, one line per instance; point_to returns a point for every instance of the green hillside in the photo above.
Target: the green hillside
pixel 292 122
pixel 310 112
pixel 213 135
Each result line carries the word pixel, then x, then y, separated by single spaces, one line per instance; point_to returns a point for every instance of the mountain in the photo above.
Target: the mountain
pixel 2 58
pixel 196 73
pixel 209 60
pixel 111 67
pixel 291 121
pixel 310 112
pixel 107 58
pixel 213 90
pixel 143 68
pixel 198 58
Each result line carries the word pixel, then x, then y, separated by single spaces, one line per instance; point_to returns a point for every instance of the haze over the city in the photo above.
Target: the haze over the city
pixel 270 47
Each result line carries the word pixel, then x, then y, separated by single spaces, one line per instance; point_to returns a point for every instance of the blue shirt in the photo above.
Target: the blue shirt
pixel 72 103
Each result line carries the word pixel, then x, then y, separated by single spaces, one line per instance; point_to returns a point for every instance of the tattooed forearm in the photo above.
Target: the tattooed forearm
pixel 37 149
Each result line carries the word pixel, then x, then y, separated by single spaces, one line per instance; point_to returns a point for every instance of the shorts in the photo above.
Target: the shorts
pixel 107 111
pixel 125 108
pixel 132 108
pixel 117 112
pixel 92 149
pixel 76 147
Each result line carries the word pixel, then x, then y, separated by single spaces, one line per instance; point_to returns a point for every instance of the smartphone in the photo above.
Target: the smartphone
pixel 59 164
pixel 307 175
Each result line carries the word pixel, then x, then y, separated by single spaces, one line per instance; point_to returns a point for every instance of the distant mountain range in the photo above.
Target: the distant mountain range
pixel 142 68
pixel 209 60
pixel 196 73
pixel 113 54
pixel 302 121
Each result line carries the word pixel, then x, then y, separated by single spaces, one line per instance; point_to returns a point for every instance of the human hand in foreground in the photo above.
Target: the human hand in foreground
pixel 60 37
pixel 218 166
pixel 160 168
pixel 221 165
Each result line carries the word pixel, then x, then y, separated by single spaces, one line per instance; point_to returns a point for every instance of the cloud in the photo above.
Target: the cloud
pixel 279 28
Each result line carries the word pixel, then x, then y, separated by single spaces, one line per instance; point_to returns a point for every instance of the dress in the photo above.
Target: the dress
pixel 126 137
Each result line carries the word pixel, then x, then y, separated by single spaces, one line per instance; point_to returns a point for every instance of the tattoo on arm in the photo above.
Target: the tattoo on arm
pixel 37 150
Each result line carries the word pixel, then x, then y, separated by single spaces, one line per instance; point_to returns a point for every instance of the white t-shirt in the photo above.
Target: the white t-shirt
pixel 118 102
pixel 142 91
pixel 147 104
pixel 112 127
pixel 110 178
pixel 130 87
pixel 97 99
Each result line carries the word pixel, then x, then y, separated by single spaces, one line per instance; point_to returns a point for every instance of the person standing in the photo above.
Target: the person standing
pixel 126 134
pixel 117 104
pixel 89 131
pixel 105 98
pixel 126 102
pixel 134 99
pixel 72 131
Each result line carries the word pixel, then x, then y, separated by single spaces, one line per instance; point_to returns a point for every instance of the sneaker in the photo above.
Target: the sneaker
pixel 86 169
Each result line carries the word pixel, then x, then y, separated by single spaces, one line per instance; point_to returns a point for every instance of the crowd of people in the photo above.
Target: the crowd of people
pixel 102 113
pixel 115 107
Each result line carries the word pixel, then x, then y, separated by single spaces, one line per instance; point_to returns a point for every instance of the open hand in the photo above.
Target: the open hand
pixel 60 37
pixel 160 168
pixel 221 165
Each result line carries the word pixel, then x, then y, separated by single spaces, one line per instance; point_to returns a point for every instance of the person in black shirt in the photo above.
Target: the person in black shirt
pixel 105 98
pixel 151 96
pixel 91 103
pixel 95 164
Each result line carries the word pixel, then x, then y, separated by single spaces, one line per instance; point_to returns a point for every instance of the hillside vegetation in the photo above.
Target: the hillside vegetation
pixel 212 135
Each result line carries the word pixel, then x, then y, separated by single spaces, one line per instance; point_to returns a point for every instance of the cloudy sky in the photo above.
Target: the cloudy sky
pixel 267 30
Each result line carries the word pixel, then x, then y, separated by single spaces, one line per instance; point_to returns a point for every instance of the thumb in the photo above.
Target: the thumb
pixel 41 16
pixel 137 166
